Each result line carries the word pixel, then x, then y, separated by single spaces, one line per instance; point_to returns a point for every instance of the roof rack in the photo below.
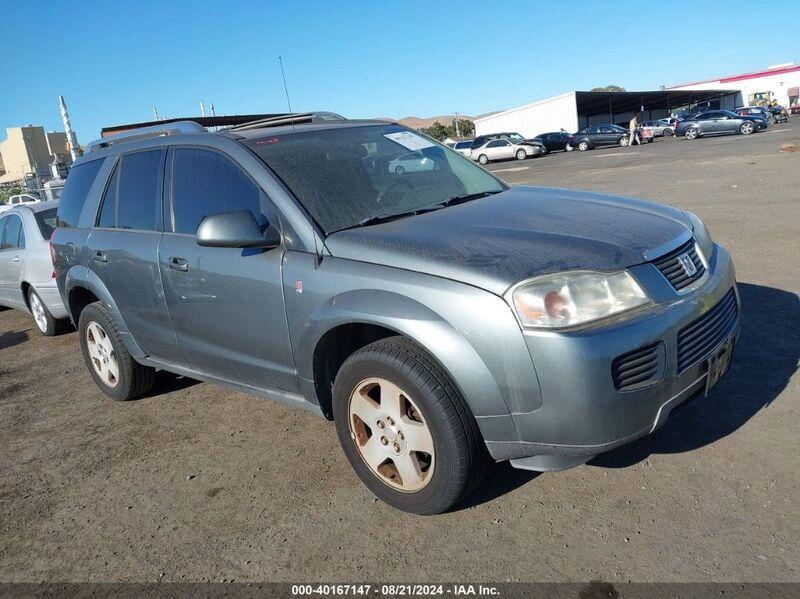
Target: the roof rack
pixel 172 128
pixel 296 118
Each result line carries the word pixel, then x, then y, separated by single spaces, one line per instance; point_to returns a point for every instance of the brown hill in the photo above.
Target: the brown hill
pixel 416 122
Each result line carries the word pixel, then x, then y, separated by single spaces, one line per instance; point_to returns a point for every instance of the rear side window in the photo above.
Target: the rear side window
pixel 133 196
pixel 46 220
pixel 79 182
pixel 205 183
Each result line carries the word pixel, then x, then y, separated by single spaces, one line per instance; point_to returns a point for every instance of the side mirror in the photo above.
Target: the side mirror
pixel 236 229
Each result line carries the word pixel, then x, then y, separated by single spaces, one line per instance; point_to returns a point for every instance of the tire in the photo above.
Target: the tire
pixel 625 141
pixel 521 155
pixel 568 148
pixel 132 379
pixel 692 133
pixel 429 404
pixel 583 145
pixel 47 325
pixel 668 133
pixel 482 159
pixel 399 170
pixel 747 128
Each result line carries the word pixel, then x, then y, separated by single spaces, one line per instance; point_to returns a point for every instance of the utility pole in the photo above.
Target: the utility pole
pixel 458 133
pixel 155 113
pixel 202 109
pixel 213 113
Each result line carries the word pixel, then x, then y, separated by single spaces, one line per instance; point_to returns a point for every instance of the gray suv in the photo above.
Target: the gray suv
pixel 441 318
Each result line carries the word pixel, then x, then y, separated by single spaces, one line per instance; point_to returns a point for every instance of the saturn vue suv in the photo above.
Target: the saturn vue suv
pixel 442 319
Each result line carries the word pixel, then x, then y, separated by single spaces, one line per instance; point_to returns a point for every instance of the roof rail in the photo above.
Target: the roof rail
pixel 295 118
pixel 145 132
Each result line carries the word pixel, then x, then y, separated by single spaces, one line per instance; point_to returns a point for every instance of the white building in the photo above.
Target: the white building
pixel 578 109
pixel 780 82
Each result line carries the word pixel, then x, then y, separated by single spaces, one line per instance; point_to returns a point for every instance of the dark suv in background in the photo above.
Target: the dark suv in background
pixel 431 314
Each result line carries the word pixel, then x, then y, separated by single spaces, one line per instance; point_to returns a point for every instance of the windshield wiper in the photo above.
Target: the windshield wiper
pixel 385 218
pixel 467 198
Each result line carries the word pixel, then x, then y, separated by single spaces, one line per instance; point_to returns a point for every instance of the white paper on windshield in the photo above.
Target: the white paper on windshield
pixel 409 140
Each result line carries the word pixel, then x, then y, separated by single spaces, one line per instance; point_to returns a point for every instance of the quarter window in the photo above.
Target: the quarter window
pixel 14 236
pixel 79 182
pixel 206 183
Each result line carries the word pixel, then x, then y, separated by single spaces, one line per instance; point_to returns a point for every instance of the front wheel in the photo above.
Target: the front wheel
pixel 568 148
pixel 747 128
pixel 113 369
pixel 482 159
pixel 521 155
pixel 399 170
pixel 405 429
pixel 624 141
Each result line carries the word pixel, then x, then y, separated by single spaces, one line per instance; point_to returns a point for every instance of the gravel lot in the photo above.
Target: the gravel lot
pixel 199 483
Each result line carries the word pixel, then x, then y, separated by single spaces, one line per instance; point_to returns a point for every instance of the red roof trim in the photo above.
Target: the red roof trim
pixel 732 78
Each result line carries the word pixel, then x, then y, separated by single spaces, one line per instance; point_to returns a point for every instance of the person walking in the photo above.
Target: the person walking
pixel 634 130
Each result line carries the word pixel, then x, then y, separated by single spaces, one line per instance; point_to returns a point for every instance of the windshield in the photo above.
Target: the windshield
pixel 346 176
pixel 515 137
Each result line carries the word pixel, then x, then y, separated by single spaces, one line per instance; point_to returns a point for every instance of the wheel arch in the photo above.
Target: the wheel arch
pixel 349 321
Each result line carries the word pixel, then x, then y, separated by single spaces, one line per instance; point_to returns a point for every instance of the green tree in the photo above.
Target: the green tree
pixel 8 192
pixel 608 88
pixel 466 128
pixel 436 131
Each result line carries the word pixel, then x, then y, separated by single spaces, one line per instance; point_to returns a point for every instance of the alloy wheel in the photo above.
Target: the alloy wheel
pixel 391 435
pixel 39 316
pixel 102 355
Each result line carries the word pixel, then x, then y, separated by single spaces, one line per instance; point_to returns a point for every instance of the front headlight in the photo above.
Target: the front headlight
pixel 574 298
pixel 701 234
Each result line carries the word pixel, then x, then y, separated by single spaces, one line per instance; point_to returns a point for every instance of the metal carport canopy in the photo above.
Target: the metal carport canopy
pixel 594 103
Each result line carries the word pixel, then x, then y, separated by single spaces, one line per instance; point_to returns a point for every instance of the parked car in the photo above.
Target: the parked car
pixel 599 135
pixel 718 122
pixel 26 270
pixel 412 162
pixel 463 147
pixel 16 200
pixel 794 109
pixel 504 148
pixel 660 128
pixel 431 315
pixel 557 140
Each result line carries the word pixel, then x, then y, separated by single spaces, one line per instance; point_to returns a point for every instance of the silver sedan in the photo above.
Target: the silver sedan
pixel 26 269
pixel 502 149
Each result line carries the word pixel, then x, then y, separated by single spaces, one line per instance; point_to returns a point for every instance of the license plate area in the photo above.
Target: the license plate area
pixel 719 362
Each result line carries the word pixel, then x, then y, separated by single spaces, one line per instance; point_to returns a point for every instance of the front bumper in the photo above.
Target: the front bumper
pixel 582 413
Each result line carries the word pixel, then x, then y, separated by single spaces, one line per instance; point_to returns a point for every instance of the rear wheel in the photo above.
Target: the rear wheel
pixel 568 148
pixel 747 128
pixel 624 141
pixel 113 369
pixel 399 170
pixel 521 155
pixel 583 146
pixel 668 133
pixel 692 133
pixel 405 429
pixel 45 322
pixel 483 159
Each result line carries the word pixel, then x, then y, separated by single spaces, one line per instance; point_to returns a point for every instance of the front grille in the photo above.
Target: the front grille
pixel 671 267
pixel 639 368
pixel 698 339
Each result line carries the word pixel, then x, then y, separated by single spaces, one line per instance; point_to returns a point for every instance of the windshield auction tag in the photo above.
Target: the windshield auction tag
pixel 408 140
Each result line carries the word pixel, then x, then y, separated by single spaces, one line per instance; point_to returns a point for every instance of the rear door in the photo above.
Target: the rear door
pixel 226 304
pixel 12 254
pixel 3 294
pixel 123 250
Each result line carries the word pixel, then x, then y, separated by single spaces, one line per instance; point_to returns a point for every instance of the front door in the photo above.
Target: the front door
pixel 226 304
pixel 123 250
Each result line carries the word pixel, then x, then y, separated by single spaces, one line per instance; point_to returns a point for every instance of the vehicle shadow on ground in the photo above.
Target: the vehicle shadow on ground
pixel 12 338
pixel 167 382
pixel 501 479
pixel 765 358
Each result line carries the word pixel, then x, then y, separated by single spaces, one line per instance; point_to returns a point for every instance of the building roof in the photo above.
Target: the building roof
pixel 751 75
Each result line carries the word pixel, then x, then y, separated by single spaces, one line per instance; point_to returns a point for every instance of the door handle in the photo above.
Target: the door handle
pixel 176 263
pixel 100 256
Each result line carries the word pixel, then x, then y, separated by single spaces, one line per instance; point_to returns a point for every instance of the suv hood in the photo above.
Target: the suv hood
pixel 523 232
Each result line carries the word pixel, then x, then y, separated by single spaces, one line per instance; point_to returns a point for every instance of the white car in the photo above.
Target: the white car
pixel 16 200
pixel 463 147
pixel 412 162
pixel 501 149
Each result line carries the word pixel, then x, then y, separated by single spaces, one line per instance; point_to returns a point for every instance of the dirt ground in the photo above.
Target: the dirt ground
pixel 199 483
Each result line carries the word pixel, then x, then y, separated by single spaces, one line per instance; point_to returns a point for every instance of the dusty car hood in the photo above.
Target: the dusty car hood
pixel 523 232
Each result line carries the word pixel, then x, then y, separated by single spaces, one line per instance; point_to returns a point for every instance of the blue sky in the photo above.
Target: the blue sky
pixel 114 61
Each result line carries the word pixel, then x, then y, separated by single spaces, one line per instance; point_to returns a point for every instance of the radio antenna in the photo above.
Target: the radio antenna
pixel 286 89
